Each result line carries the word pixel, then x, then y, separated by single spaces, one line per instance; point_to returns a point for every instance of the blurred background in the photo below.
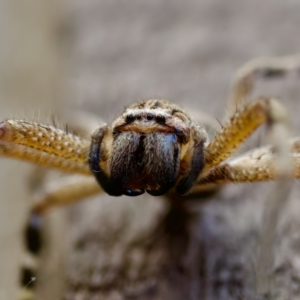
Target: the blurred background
pixel 99 56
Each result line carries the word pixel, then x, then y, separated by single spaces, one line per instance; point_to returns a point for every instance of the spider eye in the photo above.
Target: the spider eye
pixel 160 119
pixel 150 117
pixel 130 118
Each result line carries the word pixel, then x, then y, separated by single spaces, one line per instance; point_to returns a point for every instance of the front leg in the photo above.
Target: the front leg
pixel 254 166
pixel 44 145
pixel 234 134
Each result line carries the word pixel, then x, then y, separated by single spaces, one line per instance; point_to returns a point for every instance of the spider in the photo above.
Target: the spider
pixel 156 147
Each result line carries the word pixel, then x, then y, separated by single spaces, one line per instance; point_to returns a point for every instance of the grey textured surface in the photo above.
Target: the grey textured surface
pixel 187 52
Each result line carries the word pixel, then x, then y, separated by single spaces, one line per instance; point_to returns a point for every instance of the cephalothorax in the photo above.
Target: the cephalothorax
pixel 153 146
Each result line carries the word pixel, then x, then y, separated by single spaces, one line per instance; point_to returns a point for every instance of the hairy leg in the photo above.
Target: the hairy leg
pixel 254 166
pixel 244 123
pixel 44 145
pixel 41 158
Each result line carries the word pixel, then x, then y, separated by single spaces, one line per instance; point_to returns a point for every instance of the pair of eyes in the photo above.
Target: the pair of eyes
pixel 150 117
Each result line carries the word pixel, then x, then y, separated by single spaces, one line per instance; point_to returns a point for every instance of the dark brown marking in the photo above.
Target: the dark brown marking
pixel 141 105
pixel 174 111
pixel 156 105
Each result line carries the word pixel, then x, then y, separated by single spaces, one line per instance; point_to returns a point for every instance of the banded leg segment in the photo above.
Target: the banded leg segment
pixel 233 135
pixel 257 165
pixel 38 157
pixel 263 67
pixel 44 145
pixel 44 138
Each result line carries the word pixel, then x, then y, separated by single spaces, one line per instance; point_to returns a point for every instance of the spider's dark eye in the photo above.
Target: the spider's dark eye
pixel 150 117
pixel 130 118
pixel 160 119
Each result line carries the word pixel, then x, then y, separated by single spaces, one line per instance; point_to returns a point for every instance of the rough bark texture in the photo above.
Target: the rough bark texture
pixel 150 248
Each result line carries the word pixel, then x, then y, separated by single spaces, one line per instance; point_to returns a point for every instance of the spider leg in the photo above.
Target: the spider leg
pixel 41 158
pixel 254 166
pixel 44 145
pixel 238 129
pixel 63 191
pixel 263 67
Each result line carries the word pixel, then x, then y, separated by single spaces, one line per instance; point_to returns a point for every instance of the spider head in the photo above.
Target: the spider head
pixel 143 151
